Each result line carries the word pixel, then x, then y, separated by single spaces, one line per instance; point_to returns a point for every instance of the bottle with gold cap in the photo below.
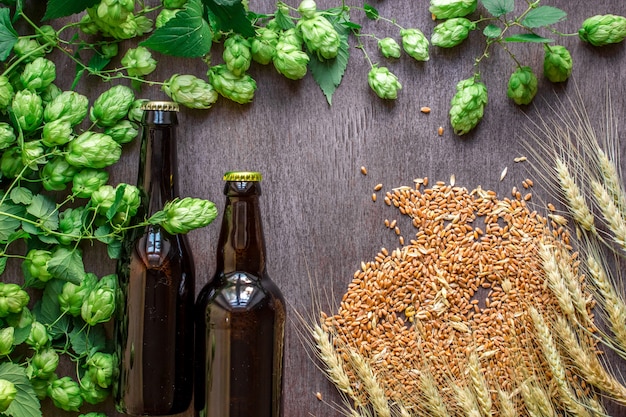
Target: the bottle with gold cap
pixel 240 316
pixel 154 326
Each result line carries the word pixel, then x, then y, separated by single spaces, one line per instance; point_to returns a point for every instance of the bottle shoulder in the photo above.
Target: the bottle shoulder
pixel 241 290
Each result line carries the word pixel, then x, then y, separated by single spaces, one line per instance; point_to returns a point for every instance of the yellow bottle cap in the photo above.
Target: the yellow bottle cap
pixel 160 105
pixel 243 176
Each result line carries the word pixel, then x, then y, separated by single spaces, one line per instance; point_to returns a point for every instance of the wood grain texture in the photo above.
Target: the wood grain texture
pixel 319 218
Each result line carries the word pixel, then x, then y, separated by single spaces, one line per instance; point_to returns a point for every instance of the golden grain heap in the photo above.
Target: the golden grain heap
pixel 451 305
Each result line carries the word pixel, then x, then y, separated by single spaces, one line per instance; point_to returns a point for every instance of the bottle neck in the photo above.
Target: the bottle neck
pixel 241 245
pixel 157 170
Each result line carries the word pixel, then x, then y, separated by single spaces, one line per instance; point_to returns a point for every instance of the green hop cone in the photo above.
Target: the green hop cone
pixel 603 30
pixel 71 225
pixel 451 32
pixel 557 63
pixel 69 106
pixel 12 298
pixel 91 392
pixel 237 54
pixel 128 206
pixel 522 86
pixel 112 105
pixel 93 414
pixel 138 61
pixel 28 110
pixel 135 113
pixel 57 173
pixel 87 181
pixel 291 61
pixel 102 368
pixel 99 305
pixel 190 91
pixel 57 133
pixel 49 93
pixel 20 320
pixel 446 9
pixel 307 8
pixel 239 89
pixel 33 155
pixel 35 264
pixel 415 43
pixel 72 296
pixel 65 394
pixel 7 135
pixel 165 16
pixel 8 391
pixel 319 36
pixel 467 105
pixel 263 45
pixel 11 162
pixel 7 340
pixel 103 198
pixel 28 49
pixel 93 150
pixel 40 386
pixel 43 363
pixel 38 74
pixel 174 4
pixel 384 83
pixel 38 336
pixel 109 50
pixel 6 92
pixel 123 131
pixel 180 216
pixel 389 48
pixel 292 37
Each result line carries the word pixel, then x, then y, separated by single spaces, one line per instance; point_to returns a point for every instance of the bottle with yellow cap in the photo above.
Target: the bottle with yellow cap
pixel 154 326
pixel 240 316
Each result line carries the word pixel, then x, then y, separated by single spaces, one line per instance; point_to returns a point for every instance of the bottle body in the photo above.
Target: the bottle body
pixel 154 328
pixel 240 321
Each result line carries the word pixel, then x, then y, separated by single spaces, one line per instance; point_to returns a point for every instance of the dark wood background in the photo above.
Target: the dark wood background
pixel 320 221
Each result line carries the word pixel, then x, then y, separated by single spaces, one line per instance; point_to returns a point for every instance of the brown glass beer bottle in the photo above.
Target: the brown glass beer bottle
pixel 154 327
pixel 240 316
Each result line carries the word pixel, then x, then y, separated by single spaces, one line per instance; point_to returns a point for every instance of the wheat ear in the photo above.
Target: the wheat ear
pixel 613 305
pixel 467 401
pixel 536 399
pixel 333 361
pixel 572 282
pixel 575 200
pixel 479 384
pixel 588 364
pixel 555 280
pixel 611 214
pixel 553 358
pixel 376 393
pixel 434 402
pixel 506 406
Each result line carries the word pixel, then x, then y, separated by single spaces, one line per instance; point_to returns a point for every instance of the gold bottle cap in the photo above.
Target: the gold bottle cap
pixel 160 105
pixel 243 176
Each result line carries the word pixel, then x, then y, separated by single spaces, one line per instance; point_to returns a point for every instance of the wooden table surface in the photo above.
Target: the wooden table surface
pixel 319 218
